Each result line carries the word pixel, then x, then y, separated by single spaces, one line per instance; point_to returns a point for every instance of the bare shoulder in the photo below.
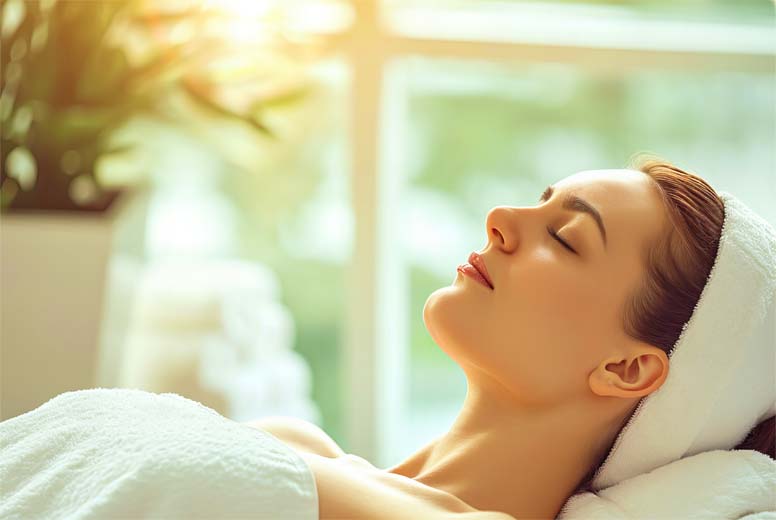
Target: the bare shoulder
pixel 350 487
pixel 299 434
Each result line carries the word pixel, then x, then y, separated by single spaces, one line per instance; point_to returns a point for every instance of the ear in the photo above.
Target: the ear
pixel 634 375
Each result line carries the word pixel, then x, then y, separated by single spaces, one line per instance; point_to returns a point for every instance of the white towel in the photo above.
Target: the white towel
pixel 717 484
pixel 123 453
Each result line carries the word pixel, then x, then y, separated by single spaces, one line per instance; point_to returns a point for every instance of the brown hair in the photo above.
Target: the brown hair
pixel 676 270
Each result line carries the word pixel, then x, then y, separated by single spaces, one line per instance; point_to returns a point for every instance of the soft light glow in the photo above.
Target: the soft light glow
pixel 243 8
pixel 247 21
pixel 259 21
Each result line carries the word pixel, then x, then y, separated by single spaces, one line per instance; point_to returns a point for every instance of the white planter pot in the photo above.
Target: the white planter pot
pixel 53 286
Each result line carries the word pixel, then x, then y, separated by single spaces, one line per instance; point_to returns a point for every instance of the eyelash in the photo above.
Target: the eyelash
pixel 557 237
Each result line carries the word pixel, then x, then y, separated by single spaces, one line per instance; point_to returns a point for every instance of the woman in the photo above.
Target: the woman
pixel 561 326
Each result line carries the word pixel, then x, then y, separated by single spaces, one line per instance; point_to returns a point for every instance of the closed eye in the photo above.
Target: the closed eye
pixel 557 237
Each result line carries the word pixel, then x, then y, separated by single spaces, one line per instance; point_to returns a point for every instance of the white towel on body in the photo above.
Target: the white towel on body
pixel 124 453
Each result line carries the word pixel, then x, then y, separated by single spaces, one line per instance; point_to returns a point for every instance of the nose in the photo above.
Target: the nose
pixel 501 224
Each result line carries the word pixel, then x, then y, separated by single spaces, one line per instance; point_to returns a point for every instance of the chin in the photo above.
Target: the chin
pixel 447 316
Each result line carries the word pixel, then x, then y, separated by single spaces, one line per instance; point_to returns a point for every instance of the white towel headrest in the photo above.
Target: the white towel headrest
pixel 722 376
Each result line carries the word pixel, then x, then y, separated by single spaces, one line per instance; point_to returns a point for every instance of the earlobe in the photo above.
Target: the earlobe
pixel 636 376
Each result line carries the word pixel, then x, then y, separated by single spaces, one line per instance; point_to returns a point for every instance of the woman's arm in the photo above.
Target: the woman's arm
pixel 299 434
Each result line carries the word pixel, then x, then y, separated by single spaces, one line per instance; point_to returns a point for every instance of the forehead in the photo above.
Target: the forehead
pixel 594 182
pixel 627 200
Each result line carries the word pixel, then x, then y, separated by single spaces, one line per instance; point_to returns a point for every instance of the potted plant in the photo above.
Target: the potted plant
pixel 74 74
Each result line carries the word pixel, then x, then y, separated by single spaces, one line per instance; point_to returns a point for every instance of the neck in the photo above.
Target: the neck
pixel 503 455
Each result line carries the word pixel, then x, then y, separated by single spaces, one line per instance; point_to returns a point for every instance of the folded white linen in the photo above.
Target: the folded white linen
pixel 125 453
pixel 717 484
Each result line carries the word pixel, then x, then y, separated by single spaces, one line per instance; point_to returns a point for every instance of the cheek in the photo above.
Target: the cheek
pixel 549 296
pixel 547 323
pixel 568 289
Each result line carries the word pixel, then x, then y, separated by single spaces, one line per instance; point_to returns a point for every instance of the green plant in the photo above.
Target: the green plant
pixel 71 79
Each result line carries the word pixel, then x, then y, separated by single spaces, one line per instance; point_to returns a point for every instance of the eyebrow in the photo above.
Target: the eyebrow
pixel 574 203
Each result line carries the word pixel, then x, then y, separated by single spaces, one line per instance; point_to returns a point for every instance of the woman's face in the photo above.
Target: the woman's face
pixel 552 316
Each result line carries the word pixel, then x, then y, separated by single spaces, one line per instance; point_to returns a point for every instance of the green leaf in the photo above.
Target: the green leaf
pixel 208 103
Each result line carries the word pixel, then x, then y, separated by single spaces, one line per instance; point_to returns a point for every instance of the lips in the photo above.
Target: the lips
pixel 478 263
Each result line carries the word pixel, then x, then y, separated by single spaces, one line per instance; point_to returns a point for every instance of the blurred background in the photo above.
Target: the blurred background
pixel 248 202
